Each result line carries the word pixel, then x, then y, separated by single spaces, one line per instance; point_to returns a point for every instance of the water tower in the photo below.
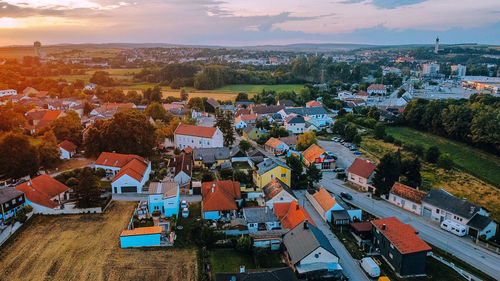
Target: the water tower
pixel 38 49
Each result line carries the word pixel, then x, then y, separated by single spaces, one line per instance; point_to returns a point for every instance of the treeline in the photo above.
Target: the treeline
pixel 173 75
pixel 475 121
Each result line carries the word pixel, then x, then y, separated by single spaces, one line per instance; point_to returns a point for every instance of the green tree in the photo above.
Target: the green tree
pixel 374 113
pixel 410 171
pixel 184 94
pixel 379 131
pixel 244 244
pixel 102 78
pixel 278 132
pixel 242 97
pixel 432 154
pixel 197 104
pixel 387 173
pixel 313 175
pixel 350 132
pixel 224 121
pixel 18 157
pixel 306 139
pixel 48 150
pixel 68 127
pixel 297 178
pixel 87 191
pixel 245 145
pixel 444 161
pixel 156 111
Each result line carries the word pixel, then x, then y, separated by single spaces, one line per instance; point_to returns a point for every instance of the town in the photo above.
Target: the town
pixel 197 163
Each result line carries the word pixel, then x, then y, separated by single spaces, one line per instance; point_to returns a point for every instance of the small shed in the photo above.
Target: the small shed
pixel 362 229
pixel 340 217
pixel 141 237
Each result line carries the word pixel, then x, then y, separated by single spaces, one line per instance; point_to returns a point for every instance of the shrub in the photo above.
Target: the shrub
pixel 432 154
pixel 444 161
pixel 389 138
pixel 226 174
pixel 100 172
pixel 244 244
pixel 207 176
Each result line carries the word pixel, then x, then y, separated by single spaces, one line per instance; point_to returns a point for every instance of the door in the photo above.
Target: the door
pixel 129 189
pixel 427 213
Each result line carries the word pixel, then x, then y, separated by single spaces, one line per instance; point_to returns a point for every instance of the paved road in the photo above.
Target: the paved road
pixel 461 247
pixel 345 157
pixel 349 265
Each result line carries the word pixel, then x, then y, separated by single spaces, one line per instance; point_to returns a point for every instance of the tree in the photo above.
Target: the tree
pixel 379 131
pixel 296 168
pixel 184 94
pixel 156 111
pixel 68 127
pixel 102 78
pixel 241 176
pixel 432 154
pixel 350 132
pixel 387 173
pixel 87 191
pixel 410 171
pixel 242 97
pixel 207 176
pixel 197 104
pixel 18 157
pixel 245 145
pixel 48 150
pixel 313 175
pixel 444 161
pixel 374 113
pixel 278 132
pixel 224 121
pixel 305 140
pixel 87 108
pixel 244 244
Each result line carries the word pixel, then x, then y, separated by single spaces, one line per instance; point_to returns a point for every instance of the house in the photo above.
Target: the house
pixel 211 158
pixel 11 201
pixel 213 103
pixel 275 146
pixel 44 194
pixel 317 156
pixel 295 124
pixel 252 133
pixel 377 89
pixel 400 246
pixel 319 116
pixel 269 169
pixel 260 218
pixel 406 197
pixel 359 98
pixel 141 237
pixel 325 204
pixel 68 149
pixel 267 110
pixel 181 170
pixel 291 214
pixel 439 205
pixel 244 120
pixel 41 118
pixel 220 199
pixel 90 86
pixel 342 95
pixel 291 141
pixel 482 226
pixel 309 251
pixel 130 171
pixel 361 174
pixel 313 103
pixel 30 91
pixel 267 274
pixel 9 92
pixel 286 103
pixel 277 192
pixel 308 126
pixel 197 136
pixel 163 198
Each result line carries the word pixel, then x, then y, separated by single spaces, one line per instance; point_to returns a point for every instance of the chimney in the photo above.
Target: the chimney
pixel 305 224
pixel 383 226
pixel 242 269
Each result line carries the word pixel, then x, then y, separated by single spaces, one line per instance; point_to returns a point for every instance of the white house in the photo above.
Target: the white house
pixel 318 114
pixel 377 89
pixel 361 173
pixel 197 136
pixel 9 92
pixel 131 171
pixel 406 197
pixel 324 203
pixel 260 218
pixel 277 191
pixel 342 95
pixel 164 198
pixel 181 170
pixel 295 124
pixel 90 86
pixel 67 148
pixel 44 194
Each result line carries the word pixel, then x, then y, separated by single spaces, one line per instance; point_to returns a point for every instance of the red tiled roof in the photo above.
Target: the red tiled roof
pixel 196 131
pixel 273 142
pixel 222 197
pixel 362 93
pixel 68 146
pixel 324 199
pixel 291 214
pixel 362 226
pixel 313 103
pixel 41 189
pixel 377 87
pixel 362 168
pixel 51 115
pixel 403 236
pixel 169 106
pixel 134 168
pixel 118 160
pixel 248 117
pixel 182 162
pixel 142 231
pixel 312 152
pixel 290 140
pixel 188 149
pixel 408 193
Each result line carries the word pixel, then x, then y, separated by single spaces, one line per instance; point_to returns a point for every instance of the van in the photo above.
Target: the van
pixel 370 267
pixel 453 227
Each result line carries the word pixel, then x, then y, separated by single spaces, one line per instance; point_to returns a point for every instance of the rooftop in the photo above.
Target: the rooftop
pixel 259 214
pixel 273 142
pixel 312 152
pixel 274 187
pixel 403 236
pixel 408 193
pixel 42 189
pixel 362 168
pixel 196 131
pixel 142 231
pixel 167 188
pixel 291 214
pixel 220 195
pixel 324 199
pixel 9 193
pixel 67 145
pixel 444 200
pixel 269 164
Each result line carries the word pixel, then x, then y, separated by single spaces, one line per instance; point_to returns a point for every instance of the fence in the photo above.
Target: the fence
pixel 488 246
pixel 460 271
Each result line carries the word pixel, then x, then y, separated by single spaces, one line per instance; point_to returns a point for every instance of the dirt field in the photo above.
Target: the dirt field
pixel 87 247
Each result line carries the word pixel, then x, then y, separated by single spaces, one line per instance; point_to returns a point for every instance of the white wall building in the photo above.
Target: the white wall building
pixel 197 137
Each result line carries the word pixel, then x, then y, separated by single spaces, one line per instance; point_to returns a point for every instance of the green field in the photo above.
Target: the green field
pixel 259 88
pixel 483 165
pixel 230 260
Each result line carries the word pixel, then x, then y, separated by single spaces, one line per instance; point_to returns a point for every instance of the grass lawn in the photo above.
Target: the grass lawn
pixel 483 165
pixel 87 247
pixel 185 235
pixel 349 241
pixel 230 260
pixel 241 166
pixel 435 271
pixel 259 88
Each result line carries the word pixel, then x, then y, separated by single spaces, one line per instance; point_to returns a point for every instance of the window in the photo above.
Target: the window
pixel 393 198
pixel 283 175
pixel 437 211
pixel 391 256
pixel 414 207
pixel 6 205
pixel 272 176
pixel 392 246
pixel 402 202
pixel 13 201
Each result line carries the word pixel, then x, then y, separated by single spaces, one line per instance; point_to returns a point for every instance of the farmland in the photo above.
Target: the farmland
pixel 87 247
pixel 259 88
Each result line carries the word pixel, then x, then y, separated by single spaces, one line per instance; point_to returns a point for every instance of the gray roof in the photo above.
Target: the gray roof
pixel 444 200
pixel 267 109
pixel 300 241
pixel 286 103
pixel 259 215
pixel 211 154
pixel 479 222
pixel 341 215
pixel 261 274
pixel 295 119
pixel 227 107
pixel 306 111
pixel 248 129
pixel 9 193
pixel 268 165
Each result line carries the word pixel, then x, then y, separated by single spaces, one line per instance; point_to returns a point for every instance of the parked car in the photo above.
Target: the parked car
pixel 370 267
pixel 342 141
pixel 346 195
pixel 354 147
pixel 339 170
pixel 185 212
pixel 184 204
pixel 347 144
pixel 357 152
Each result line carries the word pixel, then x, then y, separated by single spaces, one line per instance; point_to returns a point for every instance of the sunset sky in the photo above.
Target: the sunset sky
pixel 244 22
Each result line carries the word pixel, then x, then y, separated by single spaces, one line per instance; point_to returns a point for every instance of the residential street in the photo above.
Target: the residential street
pixel 462 247
pixel 350 266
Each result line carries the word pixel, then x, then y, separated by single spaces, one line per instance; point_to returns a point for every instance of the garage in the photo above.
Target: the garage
pixel 129 189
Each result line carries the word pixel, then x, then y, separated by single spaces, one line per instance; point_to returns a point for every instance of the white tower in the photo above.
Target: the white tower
pixel 37 46
pixel 436 46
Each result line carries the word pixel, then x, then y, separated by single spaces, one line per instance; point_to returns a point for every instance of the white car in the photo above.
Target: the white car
pixel 184 204
pixel 185 213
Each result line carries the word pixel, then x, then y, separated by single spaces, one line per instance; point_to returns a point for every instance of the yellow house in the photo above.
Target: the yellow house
pixel 270 169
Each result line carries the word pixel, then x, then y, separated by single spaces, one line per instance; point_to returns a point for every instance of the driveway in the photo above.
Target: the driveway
pixel 461 247
pixel 345 157
pixel 349 265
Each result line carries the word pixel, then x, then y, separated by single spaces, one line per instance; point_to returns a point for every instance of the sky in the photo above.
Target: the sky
pixel 249 22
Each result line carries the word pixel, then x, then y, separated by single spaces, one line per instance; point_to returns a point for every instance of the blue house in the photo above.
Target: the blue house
pixel 141 237
pixel 164 198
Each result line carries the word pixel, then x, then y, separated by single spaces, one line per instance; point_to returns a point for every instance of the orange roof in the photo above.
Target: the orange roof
pixel 403 236
pixel 313 103
pixel 142 231
pixel 324 199
pixel 134 168
pixel 248 117
pixel 118 160
pixel 42 189
pixel 362 93
pixel 362 168
pixel 408 193
pixel 222 197
pixel 42 94
pixel 51 115
pixel 196 131
pixel 377 87
pixel 119 105
pixel 273 142
pixel 169 106
pixel 188 149
pixel 291 214
pixel 67 145
pixel 312 152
